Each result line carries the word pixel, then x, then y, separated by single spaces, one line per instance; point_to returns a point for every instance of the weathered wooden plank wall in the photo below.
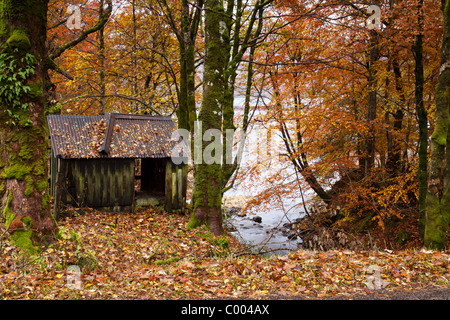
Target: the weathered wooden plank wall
pixel 101 182
pixel 175 189
pixel 108 184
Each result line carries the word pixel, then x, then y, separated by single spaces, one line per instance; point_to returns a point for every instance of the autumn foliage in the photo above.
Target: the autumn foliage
pixel 151 255
pixel 341 99
pixel 338 100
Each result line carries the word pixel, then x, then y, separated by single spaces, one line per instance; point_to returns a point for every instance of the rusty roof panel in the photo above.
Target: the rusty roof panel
pixel 130 136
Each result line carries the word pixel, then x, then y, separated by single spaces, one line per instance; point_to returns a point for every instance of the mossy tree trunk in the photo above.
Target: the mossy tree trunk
pixel 421 117
pixel 208 177
pixel 23 133
pixel 438 196
pixel 187 113
pixel 227 39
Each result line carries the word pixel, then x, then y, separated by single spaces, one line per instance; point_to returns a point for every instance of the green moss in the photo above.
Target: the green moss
pixel 4 30
pixel 167 261
pixel 16 171
pixel 29 189
pixel 55 109
pixel 51 64
pixel 26 151
pixel 41 185
pixel 220 241
pixel 45 203
pixel 86 261
pixel 36 90
pixel 437 220
pixel 38 169
pixel 440 137
pixel 27 220
pixel 2 187
pixel 7 213
pixel 19 39
pixel 23 239
pixel 194 222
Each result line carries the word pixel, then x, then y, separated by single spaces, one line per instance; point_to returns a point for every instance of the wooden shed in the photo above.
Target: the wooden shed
pixel 107 162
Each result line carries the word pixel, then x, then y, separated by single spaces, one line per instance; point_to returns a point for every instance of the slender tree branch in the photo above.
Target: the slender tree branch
pixel 106 14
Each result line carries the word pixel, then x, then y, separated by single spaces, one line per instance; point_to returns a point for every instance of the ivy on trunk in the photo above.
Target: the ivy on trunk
pixel 23 149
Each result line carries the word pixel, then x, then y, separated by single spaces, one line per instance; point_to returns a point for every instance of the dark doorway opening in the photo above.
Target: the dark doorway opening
pixel 150 181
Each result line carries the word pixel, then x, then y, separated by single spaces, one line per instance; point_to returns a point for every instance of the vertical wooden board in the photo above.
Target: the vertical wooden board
pixel 66 172
pixel 180 186
pixel 122 179
pixel 99 183
pixel 108 186
pixel 116 181
pixel 58 189
pixel 174 187
pixel 92 190
pixel 184 185
pixel 111 182
pixel 81 180
pixel 130 183
pixel 124 173
pixel 53 173
pixel 168 186
pixel 73 182
pixel 105 186
pixel 74 188
pixel 88 187
pixel 120 183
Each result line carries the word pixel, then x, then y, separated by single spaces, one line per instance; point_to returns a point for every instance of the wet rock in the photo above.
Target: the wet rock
pixel 232 211
pixel 257 219
pixel 293 224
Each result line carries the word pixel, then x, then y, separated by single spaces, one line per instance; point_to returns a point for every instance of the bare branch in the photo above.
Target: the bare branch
pixel 106 14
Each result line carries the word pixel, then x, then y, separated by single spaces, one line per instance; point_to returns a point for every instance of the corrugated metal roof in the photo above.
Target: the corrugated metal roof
pixel 111 136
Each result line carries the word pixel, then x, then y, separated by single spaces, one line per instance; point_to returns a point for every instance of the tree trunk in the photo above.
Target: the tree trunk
pixel 208 177
pixel 371 103
pixel 187 113
pixel 23 134
pixel 438 196
pixel 421 118
pixel 393 162
pixel 101 39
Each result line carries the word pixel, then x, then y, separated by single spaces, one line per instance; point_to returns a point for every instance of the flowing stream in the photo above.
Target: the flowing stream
pixel 269 233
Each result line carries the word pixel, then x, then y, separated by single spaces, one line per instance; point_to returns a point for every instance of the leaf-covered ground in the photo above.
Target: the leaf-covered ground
pixel 151 255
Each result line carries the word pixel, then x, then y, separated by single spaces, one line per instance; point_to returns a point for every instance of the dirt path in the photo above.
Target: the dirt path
pixel 428 293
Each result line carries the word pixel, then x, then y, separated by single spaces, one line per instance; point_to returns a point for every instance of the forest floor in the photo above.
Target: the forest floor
pixel 151 255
